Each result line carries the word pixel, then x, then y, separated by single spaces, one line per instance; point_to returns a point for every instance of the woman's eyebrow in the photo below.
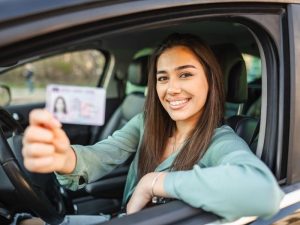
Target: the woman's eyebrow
pixel 185 67
pixel 161 72
pixel 177 68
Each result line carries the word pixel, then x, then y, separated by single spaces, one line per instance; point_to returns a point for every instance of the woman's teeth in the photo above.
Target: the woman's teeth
pixel 174 103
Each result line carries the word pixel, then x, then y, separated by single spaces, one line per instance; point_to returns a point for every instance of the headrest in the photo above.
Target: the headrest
pixel 234 70
pixel 138 71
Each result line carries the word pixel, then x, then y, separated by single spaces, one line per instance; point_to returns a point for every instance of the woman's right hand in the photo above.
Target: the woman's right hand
pixel 46 147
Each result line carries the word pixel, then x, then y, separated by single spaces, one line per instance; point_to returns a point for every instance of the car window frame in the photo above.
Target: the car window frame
pixel 239 13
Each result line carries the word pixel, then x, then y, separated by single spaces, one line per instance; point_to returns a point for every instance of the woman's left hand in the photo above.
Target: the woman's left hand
pixel 143 192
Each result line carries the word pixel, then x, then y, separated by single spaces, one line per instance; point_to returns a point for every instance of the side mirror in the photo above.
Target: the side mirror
pixel 5 96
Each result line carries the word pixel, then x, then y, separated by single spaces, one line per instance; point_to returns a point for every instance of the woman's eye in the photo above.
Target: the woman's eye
pixel 185 75
pixel 163 78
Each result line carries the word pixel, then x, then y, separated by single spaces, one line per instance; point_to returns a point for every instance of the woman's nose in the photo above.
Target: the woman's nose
pixel 173 87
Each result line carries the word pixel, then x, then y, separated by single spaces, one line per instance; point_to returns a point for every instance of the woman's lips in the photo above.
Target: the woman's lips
pixel 178 104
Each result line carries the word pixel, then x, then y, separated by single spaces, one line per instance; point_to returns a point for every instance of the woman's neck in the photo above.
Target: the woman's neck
pixel 183 129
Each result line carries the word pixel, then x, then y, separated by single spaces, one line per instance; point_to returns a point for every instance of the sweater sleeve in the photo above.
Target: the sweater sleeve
pixel 232 183
pixel 95 161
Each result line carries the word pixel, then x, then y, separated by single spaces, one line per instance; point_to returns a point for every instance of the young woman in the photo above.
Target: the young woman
pixel 182 149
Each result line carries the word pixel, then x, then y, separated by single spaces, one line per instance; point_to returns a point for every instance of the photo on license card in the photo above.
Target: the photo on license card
pixel 76 105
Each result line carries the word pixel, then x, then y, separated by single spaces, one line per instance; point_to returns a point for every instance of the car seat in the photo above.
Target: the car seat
pixel 133 103
pixel 254 105
pixel 235 77
pixel 235 81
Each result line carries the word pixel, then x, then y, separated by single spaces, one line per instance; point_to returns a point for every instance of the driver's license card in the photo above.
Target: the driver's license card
pixel 76 105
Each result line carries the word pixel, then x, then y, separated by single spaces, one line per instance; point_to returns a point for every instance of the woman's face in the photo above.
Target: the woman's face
pixel 181 84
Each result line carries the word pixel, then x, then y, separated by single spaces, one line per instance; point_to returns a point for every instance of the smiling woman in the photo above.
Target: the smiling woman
pixel 185 73
pixel 183 149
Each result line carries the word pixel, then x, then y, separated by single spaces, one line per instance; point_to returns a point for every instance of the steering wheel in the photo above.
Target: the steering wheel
pixel 40 192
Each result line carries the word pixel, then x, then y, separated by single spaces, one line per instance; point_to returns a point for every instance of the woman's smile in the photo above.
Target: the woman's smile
pixel 178 104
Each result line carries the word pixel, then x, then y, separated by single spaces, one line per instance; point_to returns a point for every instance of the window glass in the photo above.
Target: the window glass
pixel 254 72
pixel 28 82
pixel 253 66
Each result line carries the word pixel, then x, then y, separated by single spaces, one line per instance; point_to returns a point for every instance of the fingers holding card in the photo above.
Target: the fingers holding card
pixel 41 117
pixel 76 105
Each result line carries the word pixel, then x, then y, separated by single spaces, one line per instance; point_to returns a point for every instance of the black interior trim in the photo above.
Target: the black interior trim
pixel 9 122
pixel 99 188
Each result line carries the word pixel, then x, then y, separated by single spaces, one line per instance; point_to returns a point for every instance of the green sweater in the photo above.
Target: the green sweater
pixel 229 180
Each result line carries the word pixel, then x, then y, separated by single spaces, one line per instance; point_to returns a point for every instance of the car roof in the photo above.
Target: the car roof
pixel 15 9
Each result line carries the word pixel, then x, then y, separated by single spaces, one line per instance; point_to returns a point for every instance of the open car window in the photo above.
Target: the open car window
pixel 28 82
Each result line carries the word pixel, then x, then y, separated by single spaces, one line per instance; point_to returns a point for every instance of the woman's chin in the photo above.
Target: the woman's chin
pixel 178 116
pixel 184 116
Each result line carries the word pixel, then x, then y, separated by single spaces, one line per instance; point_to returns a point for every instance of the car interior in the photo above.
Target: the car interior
pixel 124 77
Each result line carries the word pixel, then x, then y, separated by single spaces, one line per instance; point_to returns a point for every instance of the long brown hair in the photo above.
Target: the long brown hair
pixel 159 127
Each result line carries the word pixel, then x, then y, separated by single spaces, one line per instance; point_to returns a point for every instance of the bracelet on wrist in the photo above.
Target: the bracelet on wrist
pixel 153 184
